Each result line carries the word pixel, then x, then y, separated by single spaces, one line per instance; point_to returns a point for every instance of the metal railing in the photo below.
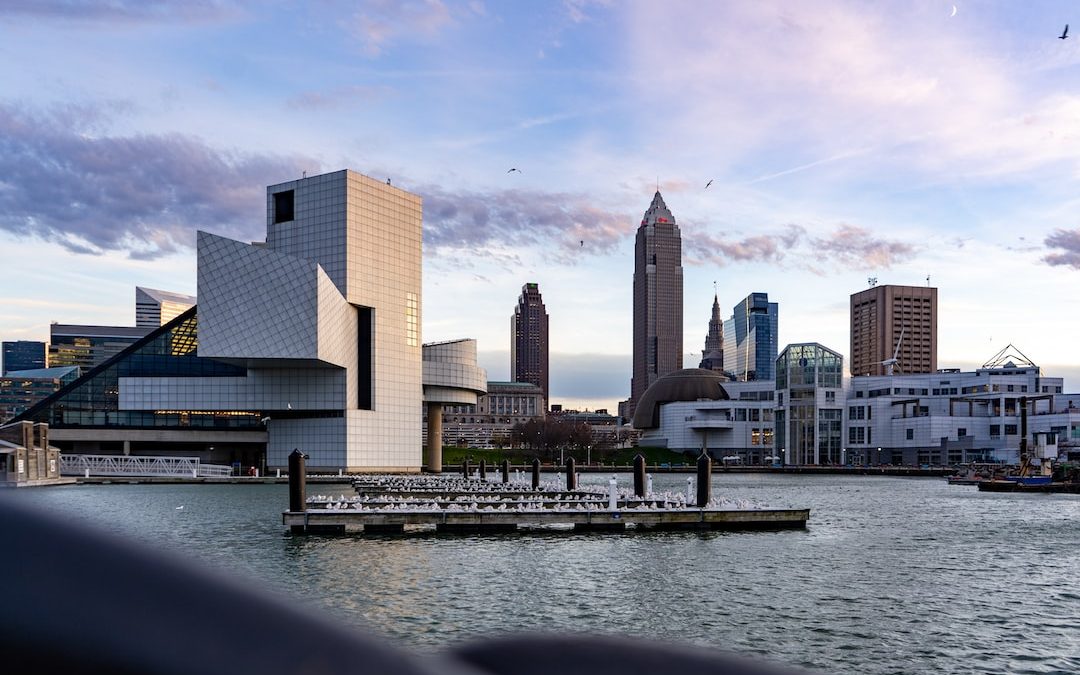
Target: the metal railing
pixel 132 465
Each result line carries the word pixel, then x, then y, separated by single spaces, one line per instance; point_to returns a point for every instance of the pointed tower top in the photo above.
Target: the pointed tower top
pixel 657 212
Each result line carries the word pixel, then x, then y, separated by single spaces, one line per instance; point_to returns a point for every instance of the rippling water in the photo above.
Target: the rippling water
pixel 893 575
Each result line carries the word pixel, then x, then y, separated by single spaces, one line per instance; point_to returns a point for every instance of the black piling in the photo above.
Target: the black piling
pixel 483 469
pixel 704 480
pixel 639 475
pixel 506 470
pixel 465 469
pixel 297 482
pixel 571 474
pixel 536 474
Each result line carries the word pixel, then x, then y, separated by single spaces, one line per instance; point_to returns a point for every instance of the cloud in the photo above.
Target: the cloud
pixel 67 180
pixel 338 97
pixel 380 22
pixel 132 11
pixel 855 247
pixel 846 247
pixel 1069 241
pixel 560 224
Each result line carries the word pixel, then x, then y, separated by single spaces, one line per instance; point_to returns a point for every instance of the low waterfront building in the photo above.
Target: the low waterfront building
pixel 694 409
pixel 490 422
pixel 26 458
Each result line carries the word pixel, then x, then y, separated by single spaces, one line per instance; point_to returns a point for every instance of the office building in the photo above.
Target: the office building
pixel 712 357
pixel 155 308
pixel 20 390
pixel 22 355
pixel 529 340
pixel 658 301
pixel 490 421
pixel 89 346
pixel 751 338
pixel 888 321
pixel 309 341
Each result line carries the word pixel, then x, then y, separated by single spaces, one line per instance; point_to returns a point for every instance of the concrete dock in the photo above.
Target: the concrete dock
pixel 340 521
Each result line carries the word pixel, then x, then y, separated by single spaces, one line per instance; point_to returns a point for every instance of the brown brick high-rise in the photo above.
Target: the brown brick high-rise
pixel 879 315
pixel 529 341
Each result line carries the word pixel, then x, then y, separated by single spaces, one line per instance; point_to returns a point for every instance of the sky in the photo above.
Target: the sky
pixel 844 140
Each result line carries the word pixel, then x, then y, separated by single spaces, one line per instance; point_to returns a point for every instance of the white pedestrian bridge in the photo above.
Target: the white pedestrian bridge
pixel 140 466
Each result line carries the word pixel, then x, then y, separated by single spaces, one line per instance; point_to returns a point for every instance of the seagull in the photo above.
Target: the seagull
pixel 179 508
pixel 583 243
pixel 1064 33
pixel 708 184
pixel 519 170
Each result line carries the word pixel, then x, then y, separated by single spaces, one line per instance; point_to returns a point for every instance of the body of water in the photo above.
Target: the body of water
pixel 893 575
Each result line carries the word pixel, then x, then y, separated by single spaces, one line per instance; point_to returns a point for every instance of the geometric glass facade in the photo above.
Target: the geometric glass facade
pixel 752 335
pixel 93 401
pixel 810 400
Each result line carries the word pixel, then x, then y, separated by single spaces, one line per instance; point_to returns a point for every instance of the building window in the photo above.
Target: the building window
pixel 961 432
pixel 1010 429
pixel 911 434
pixel 283 206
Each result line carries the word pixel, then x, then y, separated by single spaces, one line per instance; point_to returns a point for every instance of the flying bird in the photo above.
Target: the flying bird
pixel 513 170
pixel 1064 33
pixel 708 184
pixel 953 11
pixel 582 243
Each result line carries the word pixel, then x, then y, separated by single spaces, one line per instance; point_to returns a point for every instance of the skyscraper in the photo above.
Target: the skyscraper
pixel 22 355
pixel 750 339
pixel 712 357
pixel 658 300
pixel 880 316
pixel 529 341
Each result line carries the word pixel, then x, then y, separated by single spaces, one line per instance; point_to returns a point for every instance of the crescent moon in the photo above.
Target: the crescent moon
pixel 953 11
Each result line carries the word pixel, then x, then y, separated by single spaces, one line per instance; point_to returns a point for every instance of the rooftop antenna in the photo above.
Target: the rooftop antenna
pixel 872 281
pixel 927 279
pixel 304 174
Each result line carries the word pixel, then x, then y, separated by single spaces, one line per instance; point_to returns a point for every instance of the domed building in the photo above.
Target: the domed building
pixel 694 408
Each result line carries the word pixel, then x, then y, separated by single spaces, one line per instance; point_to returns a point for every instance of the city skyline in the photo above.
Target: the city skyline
pixel 843 142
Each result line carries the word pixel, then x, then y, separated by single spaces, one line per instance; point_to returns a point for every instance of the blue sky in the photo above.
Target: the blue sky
pixel 845 140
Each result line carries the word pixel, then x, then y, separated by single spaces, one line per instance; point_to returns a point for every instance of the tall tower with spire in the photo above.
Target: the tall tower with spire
pixel 658 300
pixel 712 357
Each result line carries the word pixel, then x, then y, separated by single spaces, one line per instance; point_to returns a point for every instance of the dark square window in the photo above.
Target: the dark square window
pixel 283 206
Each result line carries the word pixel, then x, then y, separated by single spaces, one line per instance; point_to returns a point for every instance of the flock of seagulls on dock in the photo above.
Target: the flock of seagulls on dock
pixel 427 494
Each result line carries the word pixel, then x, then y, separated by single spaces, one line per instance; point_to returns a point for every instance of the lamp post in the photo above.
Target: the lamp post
pixel 879 456
pixel 843 456
pixel 783 456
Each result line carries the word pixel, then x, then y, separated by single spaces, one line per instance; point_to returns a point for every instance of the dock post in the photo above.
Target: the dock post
pixel 639 475
pixel 689 490
pixel 297 482
pixel 613 494
pixel 704 480
pixel 465 468
pixel 483 469
pixel 536 474
pixel 571 474
pixel 648 484
pixel 506 471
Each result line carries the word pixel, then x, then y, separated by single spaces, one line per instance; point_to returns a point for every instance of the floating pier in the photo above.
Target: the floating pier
pixel 402 504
